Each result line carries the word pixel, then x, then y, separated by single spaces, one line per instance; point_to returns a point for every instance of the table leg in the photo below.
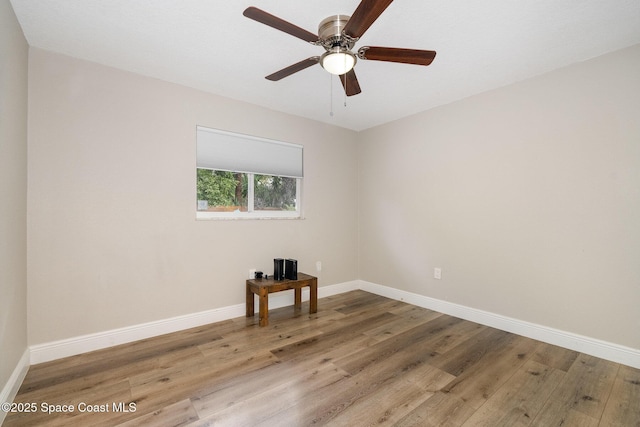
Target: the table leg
pixel 249 303
pixel 313 298
pixel 264 307
pixel 298 297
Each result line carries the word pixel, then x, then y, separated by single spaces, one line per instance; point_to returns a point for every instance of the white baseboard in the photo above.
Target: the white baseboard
pixel 77 345
pixel 594 347
pixel 69 347
pixel 10 390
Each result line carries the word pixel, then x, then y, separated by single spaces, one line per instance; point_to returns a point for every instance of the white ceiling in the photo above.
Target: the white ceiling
pixel 210 45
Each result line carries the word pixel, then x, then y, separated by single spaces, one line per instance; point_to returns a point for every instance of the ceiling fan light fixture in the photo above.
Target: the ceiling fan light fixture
pixel 338 61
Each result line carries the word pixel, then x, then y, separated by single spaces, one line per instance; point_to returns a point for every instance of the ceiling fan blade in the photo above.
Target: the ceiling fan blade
pixel 365 14
pixel 394 54
pixel 350 83
pixel 279 24
pixel 298 66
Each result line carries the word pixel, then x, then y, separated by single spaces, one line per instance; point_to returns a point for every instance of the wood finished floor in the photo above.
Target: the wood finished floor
pixel 361 360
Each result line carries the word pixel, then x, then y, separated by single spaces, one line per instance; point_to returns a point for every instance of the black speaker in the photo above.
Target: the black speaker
pixel 291 269
pixel 278 269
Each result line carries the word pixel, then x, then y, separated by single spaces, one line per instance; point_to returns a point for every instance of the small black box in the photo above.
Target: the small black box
pixel 278 269
pixel 291 269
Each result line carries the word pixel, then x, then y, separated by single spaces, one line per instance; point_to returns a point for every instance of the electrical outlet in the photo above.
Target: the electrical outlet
pixel 318 266
pixel 437 273
pixel 252 273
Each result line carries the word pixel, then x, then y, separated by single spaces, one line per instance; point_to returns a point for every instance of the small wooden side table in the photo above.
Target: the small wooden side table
pixel 264 287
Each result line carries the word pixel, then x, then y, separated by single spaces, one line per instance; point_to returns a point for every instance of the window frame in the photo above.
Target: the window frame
pixel 251 212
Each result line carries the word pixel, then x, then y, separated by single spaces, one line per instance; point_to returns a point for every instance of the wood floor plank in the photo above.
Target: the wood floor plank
pixel 334 338
pixel 64 370
pixel 440 410
pixel 229 391
pixel 104 376
pixel 105 394
pixel 425 336
pixel 430 379
pixel 391 328
pixel 386 371
pixel 489 373
pixel 459 359
pixel 334 302
pixel 271 401
pixel 239 344
pixel 623 406
pixel 172 382
pixel 454 335
pixel 555 357
pixel 566 416
pixel 177 414
pixel 520 399
pixel 411 388
pixel 366 304
pixel 380 405
pixel 582 395
pixel 362 359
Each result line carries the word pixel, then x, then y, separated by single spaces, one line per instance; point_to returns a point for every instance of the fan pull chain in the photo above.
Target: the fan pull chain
pixel 346 82
pixel 345 89
pixel 331 95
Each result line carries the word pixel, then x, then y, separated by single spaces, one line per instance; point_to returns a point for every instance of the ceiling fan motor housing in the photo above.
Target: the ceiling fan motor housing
pixel 330 33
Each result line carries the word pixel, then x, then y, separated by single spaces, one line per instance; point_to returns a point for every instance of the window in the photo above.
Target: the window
pixel 240 176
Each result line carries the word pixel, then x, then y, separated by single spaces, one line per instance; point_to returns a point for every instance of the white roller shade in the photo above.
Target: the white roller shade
pixel 234 152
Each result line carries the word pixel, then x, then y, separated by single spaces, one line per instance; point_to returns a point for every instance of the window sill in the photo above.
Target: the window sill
pixel 235 216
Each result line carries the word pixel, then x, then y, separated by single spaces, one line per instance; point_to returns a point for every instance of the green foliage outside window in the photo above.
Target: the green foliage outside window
pixel 220 188
pixel 274 192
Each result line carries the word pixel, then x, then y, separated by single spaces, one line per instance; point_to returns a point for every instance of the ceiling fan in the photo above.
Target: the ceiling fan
pixel 338 34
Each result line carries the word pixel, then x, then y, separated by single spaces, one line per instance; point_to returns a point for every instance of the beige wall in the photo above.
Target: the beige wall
pixel 13 192
pixel 527 197
pixel 113 239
